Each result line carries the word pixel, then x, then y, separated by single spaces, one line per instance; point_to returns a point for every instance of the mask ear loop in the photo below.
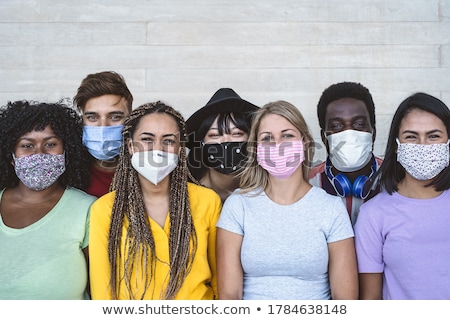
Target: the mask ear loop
pixel 66 160
pixel 132 146
pixel 13 162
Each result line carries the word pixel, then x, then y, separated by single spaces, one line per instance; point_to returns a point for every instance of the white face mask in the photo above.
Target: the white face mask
pixel 154 165
pixel 350 150
pixel 423 161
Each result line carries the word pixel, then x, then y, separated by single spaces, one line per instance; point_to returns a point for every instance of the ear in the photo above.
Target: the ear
pixel 130 146
pixel 322 136
pixel 396 146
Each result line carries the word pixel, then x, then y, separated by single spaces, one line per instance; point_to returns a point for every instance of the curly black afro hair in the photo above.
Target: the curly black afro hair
pixel 19 117
pixel 345 90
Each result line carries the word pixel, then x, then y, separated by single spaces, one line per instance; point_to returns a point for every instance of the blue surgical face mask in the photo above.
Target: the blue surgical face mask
pixel 103 142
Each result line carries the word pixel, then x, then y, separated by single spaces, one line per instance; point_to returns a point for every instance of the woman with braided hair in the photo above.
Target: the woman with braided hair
pixel 154 235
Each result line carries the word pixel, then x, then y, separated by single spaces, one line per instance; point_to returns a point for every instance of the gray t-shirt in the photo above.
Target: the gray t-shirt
pixel 284 251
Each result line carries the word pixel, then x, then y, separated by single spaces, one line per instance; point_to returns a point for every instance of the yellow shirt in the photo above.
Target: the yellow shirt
pixel 199 284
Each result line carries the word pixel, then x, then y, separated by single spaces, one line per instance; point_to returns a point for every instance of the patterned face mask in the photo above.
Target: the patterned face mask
pixel 39 171
pixel 281 160
pixel 423 161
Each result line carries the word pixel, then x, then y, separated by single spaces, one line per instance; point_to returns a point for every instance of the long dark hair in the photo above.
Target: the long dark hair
pixel 240 120
pixel 391 172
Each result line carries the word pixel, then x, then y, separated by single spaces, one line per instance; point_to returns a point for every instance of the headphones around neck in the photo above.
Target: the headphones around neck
pixel 361 186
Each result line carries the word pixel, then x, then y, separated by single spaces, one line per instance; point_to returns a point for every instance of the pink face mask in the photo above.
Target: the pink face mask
pixel 280 160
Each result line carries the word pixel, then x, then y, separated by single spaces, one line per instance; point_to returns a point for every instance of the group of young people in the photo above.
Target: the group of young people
pixel 114 202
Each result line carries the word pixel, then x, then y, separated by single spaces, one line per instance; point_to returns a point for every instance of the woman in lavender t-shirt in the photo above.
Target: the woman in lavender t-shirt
pixel 402 235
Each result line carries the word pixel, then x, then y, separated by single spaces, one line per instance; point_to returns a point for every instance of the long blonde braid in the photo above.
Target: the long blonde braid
pixel 140 247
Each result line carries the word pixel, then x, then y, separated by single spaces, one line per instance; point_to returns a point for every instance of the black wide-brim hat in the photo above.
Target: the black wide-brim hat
pixel 225 100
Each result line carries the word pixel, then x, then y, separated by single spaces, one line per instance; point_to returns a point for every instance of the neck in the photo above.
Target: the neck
pixel 222 184
pixel 287 191
pixel 416 189
pixel 106 165
pixel 162 189
pixel 28 196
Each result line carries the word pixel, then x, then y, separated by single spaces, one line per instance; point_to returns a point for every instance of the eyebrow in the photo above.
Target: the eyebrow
pixel 282 131
pixel 217 128
pixel 428 132
pixel 353 118
pixel 45 139
pixel 109 113
pixel 164 135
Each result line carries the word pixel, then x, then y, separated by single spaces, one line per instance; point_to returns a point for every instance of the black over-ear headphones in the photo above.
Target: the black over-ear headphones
pixel 342 185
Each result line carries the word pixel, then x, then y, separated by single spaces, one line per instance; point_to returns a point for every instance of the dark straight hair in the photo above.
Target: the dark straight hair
pixel 391 172
pixel 241 120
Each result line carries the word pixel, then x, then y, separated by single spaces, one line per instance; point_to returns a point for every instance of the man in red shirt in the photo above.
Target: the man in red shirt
pixel 104 101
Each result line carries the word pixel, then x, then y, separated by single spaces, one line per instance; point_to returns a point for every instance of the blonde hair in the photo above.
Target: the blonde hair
pixel 140 247
pixel 254 176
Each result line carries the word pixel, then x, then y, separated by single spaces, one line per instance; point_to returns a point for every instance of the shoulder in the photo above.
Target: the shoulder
pixel 377 206
pixel 239 201
pixel 203 200
pixel 75 205
pixel 80 196
pixel 239 195
pixel 325 204
pixel 317 170
pixel 197 192
pixel 320 194
pixel 105 201
pixel 379 200
pixel 101 209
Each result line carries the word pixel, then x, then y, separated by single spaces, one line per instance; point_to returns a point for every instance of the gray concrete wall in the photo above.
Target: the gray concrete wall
pixel 182 51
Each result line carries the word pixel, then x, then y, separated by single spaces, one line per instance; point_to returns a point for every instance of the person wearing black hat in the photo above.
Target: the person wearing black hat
pixel 217 139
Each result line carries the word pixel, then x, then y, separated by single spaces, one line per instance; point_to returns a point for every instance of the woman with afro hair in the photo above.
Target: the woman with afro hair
pixel 44 216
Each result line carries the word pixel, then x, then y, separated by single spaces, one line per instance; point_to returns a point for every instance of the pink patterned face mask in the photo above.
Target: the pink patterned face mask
pixel 280 160
pixel 39 171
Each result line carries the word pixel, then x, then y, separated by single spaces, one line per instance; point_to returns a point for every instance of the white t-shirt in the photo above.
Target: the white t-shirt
pixel 284 251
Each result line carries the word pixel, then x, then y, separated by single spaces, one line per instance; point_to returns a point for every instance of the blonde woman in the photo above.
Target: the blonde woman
pixel 154 236
pixel 279 237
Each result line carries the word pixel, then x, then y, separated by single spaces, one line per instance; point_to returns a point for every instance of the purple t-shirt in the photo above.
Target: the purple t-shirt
pixel 409 241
